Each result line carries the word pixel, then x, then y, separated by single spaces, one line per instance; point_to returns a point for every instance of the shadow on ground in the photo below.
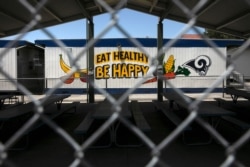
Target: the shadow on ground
pixel 46 148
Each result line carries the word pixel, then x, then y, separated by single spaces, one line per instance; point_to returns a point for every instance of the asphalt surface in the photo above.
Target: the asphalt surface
pixel 46 148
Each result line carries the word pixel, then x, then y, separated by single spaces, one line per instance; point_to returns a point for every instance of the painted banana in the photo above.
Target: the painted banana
pixel 66 68
pixel 81 73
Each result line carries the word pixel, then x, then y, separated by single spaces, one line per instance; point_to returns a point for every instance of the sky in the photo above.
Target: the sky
pixel 137 24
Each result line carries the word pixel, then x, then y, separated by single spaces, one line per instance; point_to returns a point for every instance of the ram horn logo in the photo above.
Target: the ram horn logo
pixel 199 64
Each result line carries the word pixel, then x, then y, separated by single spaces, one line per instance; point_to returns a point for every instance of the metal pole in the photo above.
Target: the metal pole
pixel 159 46
pixel 90 59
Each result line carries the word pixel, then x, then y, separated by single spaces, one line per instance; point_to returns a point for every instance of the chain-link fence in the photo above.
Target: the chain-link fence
pixel 155 149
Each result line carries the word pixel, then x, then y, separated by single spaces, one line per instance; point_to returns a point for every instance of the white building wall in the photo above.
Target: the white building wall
pixel 8 65
pixel 242 62
pixel 181 54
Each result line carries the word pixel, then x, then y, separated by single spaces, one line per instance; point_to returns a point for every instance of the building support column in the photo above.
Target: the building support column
pixel 160 59
pixel 90 61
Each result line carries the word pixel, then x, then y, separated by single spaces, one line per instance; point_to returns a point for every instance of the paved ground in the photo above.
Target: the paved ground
pixel 48 149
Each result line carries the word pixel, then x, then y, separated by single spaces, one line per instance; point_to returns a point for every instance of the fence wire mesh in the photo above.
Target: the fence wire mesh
pixel 231 149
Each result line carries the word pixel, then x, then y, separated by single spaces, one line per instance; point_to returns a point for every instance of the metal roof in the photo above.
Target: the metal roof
pixel 229 16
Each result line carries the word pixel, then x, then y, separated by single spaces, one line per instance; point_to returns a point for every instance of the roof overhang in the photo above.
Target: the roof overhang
pixel 228 16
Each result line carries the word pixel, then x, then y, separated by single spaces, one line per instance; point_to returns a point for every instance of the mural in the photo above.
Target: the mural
pixel 200 65
pixel 121 64
pixel 116 64
pixel 82 73
pixel 131 64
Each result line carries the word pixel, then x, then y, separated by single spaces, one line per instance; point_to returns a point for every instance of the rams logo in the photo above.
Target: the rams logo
pixel 200 64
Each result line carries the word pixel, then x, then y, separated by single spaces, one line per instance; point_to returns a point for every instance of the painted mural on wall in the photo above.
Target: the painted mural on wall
pixel 131 64
pixel 80 74
pixel 200 65
pixel 121 64
pixel 116 65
